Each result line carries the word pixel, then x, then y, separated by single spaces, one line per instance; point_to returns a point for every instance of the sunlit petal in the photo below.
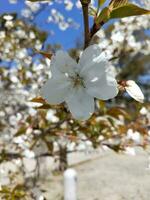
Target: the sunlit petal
pixel 63 63
pixel 91 54
pixel 55 90
pixel 80 104
pixel 103 88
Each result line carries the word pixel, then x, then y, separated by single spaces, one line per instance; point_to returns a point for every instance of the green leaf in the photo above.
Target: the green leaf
pixel 127 11
pixel 92 11
pixel 103 16
pixel 117 3
pixel 21 131
pixel 101 2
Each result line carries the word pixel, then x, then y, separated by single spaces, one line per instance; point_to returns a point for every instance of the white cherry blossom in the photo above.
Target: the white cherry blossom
pixel 78 4
pixel 143 111
pixel 68 4
pixel 8 17
pixel 79 83
pixel 134 135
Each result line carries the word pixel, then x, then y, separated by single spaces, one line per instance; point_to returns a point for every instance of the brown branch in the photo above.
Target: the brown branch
pixel 11 156
pixel 88 33
pixel 95 28
pixel 85 8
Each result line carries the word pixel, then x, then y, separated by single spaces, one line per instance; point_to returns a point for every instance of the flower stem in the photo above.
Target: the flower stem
pixel 95 28
pixel 85 7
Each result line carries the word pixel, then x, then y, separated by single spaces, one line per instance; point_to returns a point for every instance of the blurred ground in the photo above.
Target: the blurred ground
pixel 107 176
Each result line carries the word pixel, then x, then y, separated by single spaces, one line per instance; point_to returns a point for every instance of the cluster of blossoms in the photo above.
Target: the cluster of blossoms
pixel 126 34
pixel 16 45
pixel 57 18
pixel 33 9
pixel 21 71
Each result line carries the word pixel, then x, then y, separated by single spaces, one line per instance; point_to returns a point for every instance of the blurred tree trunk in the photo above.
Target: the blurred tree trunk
pixel 63 160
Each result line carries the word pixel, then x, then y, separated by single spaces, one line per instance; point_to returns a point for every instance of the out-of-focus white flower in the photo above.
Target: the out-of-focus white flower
pixel 9 24
pixel 68 4
pixel 57 18
pixel 130 151
pixel 28 153
pixel 4 180
pixel 21 54
pixel 29 164
pixel 143 111
pixel 81 146
pixel 50 116
pixel 32 35
pixel 2 114
pixel 32 112
pixel 78 4
pixel 14 79
pixel 29 131
pixel 18 140
pixel 63 25
pixel 34 6
pixel 18 162
pixel 13 1
pixel 134 91
pixel 20 33
pixel 13 120
pixel 2 34
pixel 71 146
pixel 101 138
pixel 135 136
pixel 38 45
pixel 37 67
pixel 48 62
pixel 26 13
pixel 8 17
pixel 29 74
pixel 117 36
pixel 37 194
pixel 78 84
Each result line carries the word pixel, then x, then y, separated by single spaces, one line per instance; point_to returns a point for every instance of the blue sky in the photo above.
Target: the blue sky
pixel 65 38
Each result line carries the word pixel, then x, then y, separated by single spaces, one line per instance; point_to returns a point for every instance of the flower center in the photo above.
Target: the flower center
pixel 77 81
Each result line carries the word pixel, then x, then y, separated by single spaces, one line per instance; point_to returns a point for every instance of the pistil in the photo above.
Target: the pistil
pixel 77 81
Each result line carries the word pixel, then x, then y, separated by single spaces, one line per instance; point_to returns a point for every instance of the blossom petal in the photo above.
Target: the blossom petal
pixel 80 104
pixel 104 87
pixel 95 71
pixel 134 91
pixel 63 63
pixel 55 90
pixel 90 54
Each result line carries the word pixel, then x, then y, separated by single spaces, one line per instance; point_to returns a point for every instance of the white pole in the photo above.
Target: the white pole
pixel 70 184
